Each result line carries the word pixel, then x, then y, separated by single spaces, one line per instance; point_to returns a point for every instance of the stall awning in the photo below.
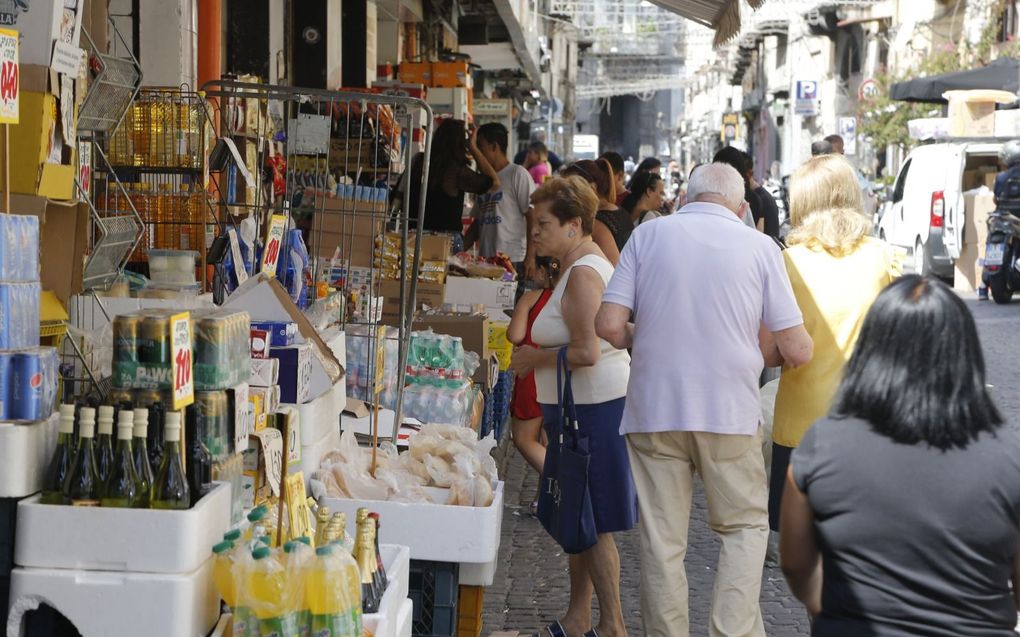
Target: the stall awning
pixel 1002 74
pixel 721 15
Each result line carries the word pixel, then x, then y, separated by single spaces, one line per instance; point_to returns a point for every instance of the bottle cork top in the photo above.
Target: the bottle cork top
pixel 87 422
pixel 173 426
pixel 66 419
pixel 141 422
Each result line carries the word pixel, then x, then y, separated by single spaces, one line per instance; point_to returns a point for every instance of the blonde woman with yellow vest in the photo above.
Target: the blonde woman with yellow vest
pixel 836 269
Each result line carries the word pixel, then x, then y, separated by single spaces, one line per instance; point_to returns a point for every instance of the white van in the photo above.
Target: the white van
pixel 926 210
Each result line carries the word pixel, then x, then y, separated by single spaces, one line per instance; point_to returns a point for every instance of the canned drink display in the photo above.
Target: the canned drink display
pixel 149 397
pixel 213 421
pixel 125 338
pixel 19 248
pixel 154 340
pixel 120 396
pixel 5 384
pixel 19 315
pixel 33 383
pixel 222 349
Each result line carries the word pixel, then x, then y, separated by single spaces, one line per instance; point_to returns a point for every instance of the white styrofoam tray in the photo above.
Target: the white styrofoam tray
pixel 109 539
pixel 321 416
pixel 436 532
pixel 25 451
pixel 404 619
pixel 108 604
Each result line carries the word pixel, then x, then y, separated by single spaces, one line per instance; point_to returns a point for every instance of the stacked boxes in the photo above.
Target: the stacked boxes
pixel 28 373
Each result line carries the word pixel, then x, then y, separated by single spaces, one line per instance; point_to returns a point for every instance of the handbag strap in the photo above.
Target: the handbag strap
pixel 565 396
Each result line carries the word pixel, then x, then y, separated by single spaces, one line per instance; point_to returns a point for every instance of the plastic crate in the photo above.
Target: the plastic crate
pixel 434 592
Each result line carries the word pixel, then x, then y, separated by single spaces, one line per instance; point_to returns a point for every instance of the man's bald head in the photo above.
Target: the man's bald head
pixel 717 183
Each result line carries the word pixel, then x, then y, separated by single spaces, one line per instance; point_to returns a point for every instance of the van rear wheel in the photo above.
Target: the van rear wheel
pixel 920 260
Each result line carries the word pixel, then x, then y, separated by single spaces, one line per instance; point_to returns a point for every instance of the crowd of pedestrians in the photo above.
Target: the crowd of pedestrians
pixel 640 349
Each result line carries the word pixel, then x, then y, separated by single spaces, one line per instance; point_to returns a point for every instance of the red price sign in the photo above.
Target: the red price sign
pixel 274 243
pixel 181 361
pixel 9 77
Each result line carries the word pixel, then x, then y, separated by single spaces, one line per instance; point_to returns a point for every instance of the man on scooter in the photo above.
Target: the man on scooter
pixel 1007 196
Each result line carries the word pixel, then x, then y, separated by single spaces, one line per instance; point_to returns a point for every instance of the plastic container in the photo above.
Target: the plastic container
pixel 172 261
pixel 434 592
pixel 101 603
pixel 106 539
pixel 25 451
pixel 405 619
pixel 172 278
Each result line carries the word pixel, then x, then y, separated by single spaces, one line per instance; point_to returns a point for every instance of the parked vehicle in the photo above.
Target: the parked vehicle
pixel 1002 256
pixel 925 212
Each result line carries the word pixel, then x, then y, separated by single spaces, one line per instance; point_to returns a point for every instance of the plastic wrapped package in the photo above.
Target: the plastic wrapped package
pixel 439 360
pixel 19 315
pixel 431 404
pixel 221 349
pixel 361 343
pixel 28 381
pixel 19 248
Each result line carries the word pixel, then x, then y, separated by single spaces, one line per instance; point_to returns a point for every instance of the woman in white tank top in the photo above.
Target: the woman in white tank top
pixel 564 212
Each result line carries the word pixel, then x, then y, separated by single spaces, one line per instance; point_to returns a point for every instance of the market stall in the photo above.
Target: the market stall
pixel 272 385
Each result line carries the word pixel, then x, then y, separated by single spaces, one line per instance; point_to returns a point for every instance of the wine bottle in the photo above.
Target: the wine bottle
pixel 155 442
pixel 122 484
pixel 143 470
pixel 63 458
pixel 170 488
pixel 366 564
pixel 378 554
pixel 199 460
pixel 81 487
pixel 104 445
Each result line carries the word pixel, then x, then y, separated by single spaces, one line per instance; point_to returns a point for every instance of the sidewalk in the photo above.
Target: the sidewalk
pixel 531 587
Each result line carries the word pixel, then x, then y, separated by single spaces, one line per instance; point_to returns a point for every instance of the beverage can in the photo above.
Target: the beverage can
pixel 154 341
pixel 125 338
pixel 5 384
pixel 33 384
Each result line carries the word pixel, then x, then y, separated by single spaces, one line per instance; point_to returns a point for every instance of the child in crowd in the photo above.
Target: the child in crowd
pixel 526 424
pixel 537 163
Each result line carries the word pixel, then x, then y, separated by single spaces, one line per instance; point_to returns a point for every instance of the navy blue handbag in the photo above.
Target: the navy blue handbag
pixel 564 504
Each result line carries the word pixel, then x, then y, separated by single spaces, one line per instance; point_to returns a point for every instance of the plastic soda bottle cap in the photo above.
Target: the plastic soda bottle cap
pixel 232 535
pixel 324 550
pixel 256 514
pixel 304 539
pixel 260 553
pixel 223 547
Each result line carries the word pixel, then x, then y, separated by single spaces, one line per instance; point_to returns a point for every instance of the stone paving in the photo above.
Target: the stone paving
pixel 531 583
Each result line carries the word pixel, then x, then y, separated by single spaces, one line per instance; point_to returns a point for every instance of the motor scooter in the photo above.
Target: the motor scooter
pixel 1002 256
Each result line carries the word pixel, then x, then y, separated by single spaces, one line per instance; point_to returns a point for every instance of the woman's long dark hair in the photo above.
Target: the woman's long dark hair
pixel 597 171
pixel 917 373
pixel 641 184
pixel 448 149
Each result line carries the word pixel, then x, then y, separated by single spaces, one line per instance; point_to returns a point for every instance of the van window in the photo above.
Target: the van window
pixel 901 181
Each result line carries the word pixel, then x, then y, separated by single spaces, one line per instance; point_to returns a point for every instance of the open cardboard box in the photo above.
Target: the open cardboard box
pixel 63 235
pixel 265 299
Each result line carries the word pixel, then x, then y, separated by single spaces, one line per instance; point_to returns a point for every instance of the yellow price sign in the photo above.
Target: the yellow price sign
pixel 380 359
pixel 274 244
pixel 181 363
pixel 297 506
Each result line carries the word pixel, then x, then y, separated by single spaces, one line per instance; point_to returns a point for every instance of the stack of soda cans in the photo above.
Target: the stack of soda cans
pixel 28 373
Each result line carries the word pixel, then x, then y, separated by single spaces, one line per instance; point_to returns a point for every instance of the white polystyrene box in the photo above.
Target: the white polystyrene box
pixel 397 560
pixel 404 619
pixel 25 451
pixel 113 539
pixel 110 604
pixel 321 416
pixel 436 532
pixel 311 455
pixel 471 574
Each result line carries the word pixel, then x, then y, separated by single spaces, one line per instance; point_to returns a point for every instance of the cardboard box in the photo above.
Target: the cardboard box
pixel 33 139
pixel 63 237
pixel 435 247
pixel 473 329
pixel 348 224
pixel 426 294
pixel 41 24
pixel 265 372
pixel 1007 123
pixel 967 269
pixel 415 73
pixel 497 295
pixel 295 372
pixel 451 74
pixel 971 119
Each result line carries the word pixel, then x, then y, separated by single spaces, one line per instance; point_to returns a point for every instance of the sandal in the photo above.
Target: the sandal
pixel 554 629
pixel 591 633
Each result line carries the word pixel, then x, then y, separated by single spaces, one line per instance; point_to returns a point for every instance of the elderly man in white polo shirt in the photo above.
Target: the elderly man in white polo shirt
pixel 704 302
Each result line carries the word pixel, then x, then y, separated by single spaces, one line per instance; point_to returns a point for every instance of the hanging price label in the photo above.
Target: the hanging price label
pixel 180 360
pixel 380 359
pixel 274 244
pixel 297 506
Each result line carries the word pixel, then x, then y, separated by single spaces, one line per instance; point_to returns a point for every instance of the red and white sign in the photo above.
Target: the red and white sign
pixel 868 91
pixel 274 244
pixel 9 81
pixel 85 166
pixel 181 363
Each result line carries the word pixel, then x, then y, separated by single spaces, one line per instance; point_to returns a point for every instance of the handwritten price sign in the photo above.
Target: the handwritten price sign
pixel 9 77
pixel 180 360
pixel 274 244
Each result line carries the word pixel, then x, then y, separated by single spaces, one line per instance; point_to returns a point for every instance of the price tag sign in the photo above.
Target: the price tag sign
pixel 380 359
pixel 297 506
pixel 270 443
pixel 85 166
pixel 10 83
pixel 235 254
pixel 274 244
pixel 293 435
pixel 180 360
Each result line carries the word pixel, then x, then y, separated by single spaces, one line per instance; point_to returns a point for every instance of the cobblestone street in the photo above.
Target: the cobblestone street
pixel 531 584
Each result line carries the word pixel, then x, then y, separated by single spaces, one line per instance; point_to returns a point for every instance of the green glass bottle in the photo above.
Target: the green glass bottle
pixel 81 487
pixel 121 488
pixel 63 458
pixel 143 470
pixel 104 445
pixel 170 488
